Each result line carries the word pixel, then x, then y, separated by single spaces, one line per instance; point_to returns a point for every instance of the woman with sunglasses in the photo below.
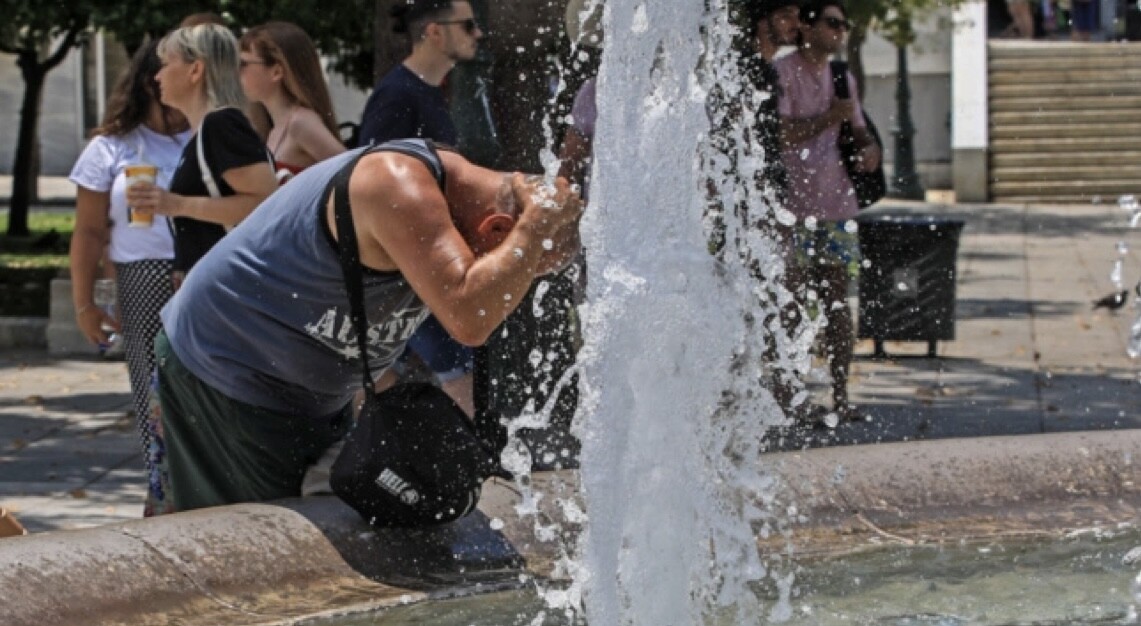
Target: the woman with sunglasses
pixel 291 108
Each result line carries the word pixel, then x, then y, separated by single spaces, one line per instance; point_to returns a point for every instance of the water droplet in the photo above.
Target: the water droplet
pixel 548 245
pixel 496 524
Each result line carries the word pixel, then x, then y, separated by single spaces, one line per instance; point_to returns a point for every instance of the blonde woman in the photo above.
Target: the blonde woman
pixel 281 75
pixel 199 77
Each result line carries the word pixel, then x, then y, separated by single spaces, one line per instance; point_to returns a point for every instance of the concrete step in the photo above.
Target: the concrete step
pixel 1108 189
pixel 1068 64
pixel 1021 49
pixel 1075 171
pixel 1065 117
pixel 1107 90
pixel 1055 199
pixel 1054 76
pixel 1066 160
pixel 1069 145
pixel 1060 131
pixel 1076 103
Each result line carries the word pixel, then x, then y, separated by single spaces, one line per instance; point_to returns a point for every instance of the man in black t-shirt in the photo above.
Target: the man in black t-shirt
pixel 409 103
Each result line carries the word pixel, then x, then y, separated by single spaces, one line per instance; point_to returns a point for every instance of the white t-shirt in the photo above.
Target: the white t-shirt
pixel 100 168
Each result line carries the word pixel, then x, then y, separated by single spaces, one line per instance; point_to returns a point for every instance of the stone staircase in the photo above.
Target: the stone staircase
pixel 1065 121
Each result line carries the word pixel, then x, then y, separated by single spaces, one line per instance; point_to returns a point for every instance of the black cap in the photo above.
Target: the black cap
pixel 758 10
pixel 407 11
pixel 412 459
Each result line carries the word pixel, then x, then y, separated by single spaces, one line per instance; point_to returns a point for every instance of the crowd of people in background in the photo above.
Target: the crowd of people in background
pixel 231 121
pixel 1076 20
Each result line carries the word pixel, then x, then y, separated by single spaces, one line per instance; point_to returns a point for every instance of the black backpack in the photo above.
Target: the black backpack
pixel 870 186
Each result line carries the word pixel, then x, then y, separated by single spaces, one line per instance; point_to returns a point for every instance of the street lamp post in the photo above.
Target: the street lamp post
pixel 904 180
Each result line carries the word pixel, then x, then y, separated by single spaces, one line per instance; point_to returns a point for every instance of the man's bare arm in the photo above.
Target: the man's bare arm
pixel 404 221
pixel 795 131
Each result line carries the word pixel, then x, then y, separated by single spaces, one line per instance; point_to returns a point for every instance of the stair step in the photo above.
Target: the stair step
pixel 1067 64
pixel 1055 90
pixel 1056 199
pixel 1076 171
pixel 997 49
pixel 1066 144
pixel 1027 76
pixel 1065 159
pixel 1064 117
pixel 1077 103
pixel 1060 131
pixel 1107 189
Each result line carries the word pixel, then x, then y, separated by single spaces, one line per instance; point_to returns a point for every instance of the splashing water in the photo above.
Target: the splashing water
pixel 672 414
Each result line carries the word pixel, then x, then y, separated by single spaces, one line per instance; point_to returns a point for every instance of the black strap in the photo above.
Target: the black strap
pixel 338 188
pixel 840 79
pixel 350 257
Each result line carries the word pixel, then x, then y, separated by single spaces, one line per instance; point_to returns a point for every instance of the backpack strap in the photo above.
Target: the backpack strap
pixel 840 79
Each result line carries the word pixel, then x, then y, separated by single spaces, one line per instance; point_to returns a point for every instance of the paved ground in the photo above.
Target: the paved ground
pixel 1030 356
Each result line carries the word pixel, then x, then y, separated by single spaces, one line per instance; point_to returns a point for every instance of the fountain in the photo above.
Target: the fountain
pixel 673 418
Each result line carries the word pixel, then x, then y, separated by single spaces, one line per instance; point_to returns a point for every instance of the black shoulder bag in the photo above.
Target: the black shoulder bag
pixel 870 186
pixel 412 459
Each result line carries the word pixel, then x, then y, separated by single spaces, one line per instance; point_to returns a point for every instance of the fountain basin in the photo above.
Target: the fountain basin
pixel 295 560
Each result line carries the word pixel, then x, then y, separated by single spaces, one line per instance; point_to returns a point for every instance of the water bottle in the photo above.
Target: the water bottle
pixel 105 298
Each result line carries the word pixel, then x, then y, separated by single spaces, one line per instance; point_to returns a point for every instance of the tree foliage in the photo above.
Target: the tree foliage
pixel 341 29
pixel 39 35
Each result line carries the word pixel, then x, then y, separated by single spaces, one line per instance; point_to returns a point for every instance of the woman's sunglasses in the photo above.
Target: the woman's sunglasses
pixel 469 25
pixel 837 23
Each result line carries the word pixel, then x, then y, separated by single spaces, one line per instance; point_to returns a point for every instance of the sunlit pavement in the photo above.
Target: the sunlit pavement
pixel 1030 356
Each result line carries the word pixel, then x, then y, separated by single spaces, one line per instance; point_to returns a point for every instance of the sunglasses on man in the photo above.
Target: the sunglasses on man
pixel 836 23
pixel 469 25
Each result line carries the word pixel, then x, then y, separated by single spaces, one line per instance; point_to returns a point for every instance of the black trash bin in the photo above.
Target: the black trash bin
pixel 907 281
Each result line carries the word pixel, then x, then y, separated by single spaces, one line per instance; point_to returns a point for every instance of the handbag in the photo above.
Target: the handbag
pixel 412 459
pixel 870 186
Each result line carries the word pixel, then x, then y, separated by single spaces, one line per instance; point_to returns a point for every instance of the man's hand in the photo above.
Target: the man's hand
pixel 546 208
pixel 868 158
pixel 841 110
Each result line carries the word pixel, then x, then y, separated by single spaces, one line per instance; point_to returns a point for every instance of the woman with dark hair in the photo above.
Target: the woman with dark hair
pixel 291 108
pixel 137 128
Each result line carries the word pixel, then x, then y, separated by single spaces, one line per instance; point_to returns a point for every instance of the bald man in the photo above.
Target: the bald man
pixel 258 360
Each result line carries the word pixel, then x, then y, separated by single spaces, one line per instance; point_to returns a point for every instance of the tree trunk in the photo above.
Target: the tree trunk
pixel 390 47
pixel 856 39
pixel 24 170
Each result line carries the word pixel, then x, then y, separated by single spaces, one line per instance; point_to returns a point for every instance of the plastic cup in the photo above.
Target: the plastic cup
pixel 140 173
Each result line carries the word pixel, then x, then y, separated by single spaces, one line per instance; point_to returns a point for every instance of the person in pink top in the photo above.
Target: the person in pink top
pixel 824 248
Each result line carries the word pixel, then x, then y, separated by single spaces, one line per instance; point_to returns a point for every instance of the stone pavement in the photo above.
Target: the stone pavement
pixel 1030 356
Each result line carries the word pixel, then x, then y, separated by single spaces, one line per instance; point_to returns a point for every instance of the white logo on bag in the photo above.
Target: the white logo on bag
pixel 391 482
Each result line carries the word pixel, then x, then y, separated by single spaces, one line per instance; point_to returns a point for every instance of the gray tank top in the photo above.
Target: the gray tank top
pixel 264 317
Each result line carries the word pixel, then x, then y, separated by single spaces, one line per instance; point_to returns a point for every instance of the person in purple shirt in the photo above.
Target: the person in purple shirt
pixel 824 249
pixel 407 103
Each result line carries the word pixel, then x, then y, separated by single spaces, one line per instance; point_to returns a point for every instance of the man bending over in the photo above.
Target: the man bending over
pixel 258 360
